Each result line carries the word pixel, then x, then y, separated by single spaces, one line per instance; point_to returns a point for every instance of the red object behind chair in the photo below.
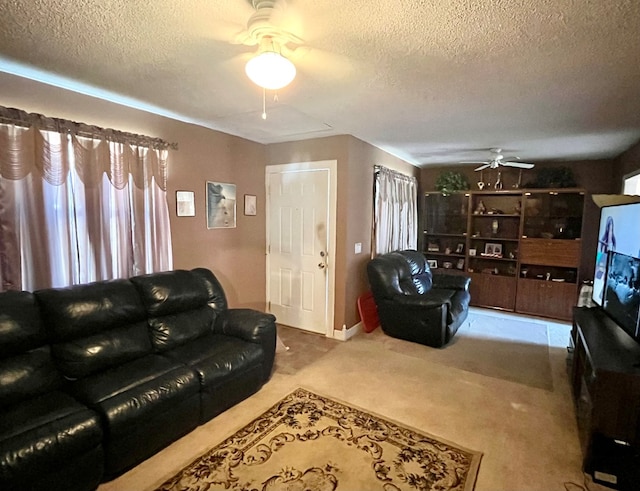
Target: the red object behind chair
pixel 368 311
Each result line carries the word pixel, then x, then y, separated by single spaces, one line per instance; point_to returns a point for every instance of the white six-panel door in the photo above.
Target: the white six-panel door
pixel 298 234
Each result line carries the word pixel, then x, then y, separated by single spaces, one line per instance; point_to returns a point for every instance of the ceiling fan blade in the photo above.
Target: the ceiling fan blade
pixel 482 167
pixel 521 165
pixel 475 162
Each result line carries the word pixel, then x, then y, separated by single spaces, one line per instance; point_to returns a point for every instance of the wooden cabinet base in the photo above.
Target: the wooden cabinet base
pixel 495 291
pixel 546 298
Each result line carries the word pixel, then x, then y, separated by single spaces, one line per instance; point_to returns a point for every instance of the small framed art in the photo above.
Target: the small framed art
pixel 250 207
pixel 185 204
pixel 433 263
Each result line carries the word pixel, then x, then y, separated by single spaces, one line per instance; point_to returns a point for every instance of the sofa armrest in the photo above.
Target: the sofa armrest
pixel 451 281
pixel 252 326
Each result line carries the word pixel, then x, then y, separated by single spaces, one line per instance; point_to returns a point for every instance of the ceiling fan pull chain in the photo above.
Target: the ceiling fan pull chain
pixel 264 103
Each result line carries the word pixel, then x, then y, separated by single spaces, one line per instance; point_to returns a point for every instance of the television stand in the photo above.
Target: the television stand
pixel 605 379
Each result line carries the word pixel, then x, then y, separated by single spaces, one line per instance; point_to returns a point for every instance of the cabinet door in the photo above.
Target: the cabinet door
pixel 563 253
pixel 493 291
pixel 546 298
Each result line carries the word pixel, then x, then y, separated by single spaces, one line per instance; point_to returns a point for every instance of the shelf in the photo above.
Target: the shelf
pixel 490 258
pixel 452 254
pixel 494 215
pixel 473 237
pixel 438 234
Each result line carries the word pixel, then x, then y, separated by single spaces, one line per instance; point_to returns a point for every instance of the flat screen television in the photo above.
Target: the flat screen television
pixel 620 232
pixel 621 300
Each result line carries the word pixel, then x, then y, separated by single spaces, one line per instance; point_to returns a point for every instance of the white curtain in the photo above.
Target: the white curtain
pixel 76 209
pixel 395 225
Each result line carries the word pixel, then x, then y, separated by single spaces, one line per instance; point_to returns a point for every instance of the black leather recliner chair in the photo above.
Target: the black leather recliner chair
pixel 414 304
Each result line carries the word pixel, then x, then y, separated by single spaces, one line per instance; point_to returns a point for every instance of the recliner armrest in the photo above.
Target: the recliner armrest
pixel 451 281
pixel 430 300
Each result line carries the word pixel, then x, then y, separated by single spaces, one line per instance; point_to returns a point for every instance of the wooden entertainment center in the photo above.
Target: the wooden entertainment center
pixel 605 378
pixel 522 248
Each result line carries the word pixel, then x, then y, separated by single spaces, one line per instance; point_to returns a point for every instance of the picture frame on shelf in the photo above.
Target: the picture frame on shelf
pixel 433 247
pixel 472 252
pixel 433 263
pixel 460 248
pixel 460 264
pixel 492 249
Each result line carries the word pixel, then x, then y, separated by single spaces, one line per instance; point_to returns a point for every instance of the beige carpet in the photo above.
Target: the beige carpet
pixel 311 442
pixel 501 347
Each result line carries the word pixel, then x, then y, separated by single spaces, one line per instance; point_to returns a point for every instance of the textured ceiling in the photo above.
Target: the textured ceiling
pixel 431 81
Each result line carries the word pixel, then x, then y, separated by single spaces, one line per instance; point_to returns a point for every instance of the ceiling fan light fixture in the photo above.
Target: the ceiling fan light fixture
pixel 270 70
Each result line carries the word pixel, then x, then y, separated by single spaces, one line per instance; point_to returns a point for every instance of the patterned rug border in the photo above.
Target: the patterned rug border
pixel 474 465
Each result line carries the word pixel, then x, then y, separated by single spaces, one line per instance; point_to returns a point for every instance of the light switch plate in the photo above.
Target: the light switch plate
pixel 358 248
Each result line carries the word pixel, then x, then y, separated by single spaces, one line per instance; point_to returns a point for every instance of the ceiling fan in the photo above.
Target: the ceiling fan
pixel 499 160
pixel 277 26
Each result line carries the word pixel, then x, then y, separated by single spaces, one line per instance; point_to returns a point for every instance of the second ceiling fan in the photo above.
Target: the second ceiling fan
pixel 499 160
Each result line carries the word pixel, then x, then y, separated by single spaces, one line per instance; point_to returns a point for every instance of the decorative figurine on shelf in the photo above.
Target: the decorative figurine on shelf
pixel 481 181
pixel 480 209
pixel 498 184
pixel 518 184
pixel 494 226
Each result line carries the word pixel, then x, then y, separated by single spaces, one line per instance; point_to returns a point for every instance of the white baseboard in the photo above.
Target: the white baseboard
pixel 346 334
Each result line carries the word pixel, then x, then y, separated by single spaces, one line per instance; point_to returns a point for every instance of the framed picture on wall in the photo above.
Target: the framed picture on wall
pixel 185 204
pixel 250 207
pixel 221 205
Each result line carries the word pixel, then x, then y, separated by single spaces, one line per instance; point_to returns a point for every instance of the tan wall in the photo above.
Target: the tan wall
pixel 359 216
pixel 235 255
pixel 354 208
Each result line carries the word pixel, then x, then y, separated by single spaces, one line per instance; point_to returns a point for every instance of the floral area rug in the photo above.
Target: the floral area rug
pixel 310 442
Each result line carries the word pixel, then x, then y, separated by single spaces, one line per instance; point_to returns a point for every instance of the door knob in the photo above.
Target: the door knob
pixel 322 265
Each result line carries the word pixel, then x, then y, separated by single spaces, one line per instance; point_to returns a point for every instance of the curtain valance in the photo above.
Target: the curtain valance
pixel 19 117
pixel 32 142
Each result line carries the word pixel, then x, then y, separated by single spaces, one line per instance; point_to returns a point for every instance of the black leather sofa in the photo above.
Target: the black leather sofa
pixel 414 304
pixel 96 378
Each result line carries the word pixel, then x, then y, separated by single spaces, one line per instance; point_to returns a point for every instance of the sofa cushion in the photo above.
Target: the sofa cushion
pixel 40 435
pixel 145 404
pixel 21 327
pixel 229 369
pixel 26 366
pixel 177 305
pixel 217 297
pixel 217 357
pixel 95 326
pixel 134 384
pixel 26 375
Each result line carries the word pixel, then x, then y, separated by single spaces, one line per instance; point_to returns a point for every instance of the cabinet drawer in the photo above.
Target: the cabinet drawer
pixel 547 252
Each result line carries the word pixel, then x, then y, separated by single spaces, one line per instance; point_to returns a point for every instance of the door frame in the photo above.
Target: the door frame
pixel 332 167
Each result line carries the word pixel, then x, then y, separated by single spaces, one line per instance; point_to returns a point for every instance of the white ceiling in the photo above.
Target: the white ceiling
pixel 431 81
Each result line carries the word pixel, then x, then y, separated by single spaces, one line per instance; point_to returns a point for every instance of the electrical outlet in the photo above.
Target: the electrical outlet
pixel 358 248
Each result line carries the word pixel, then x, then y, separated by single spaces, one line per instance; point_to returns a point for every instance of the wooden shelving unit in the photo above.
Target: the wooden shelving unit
pixel 521 247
